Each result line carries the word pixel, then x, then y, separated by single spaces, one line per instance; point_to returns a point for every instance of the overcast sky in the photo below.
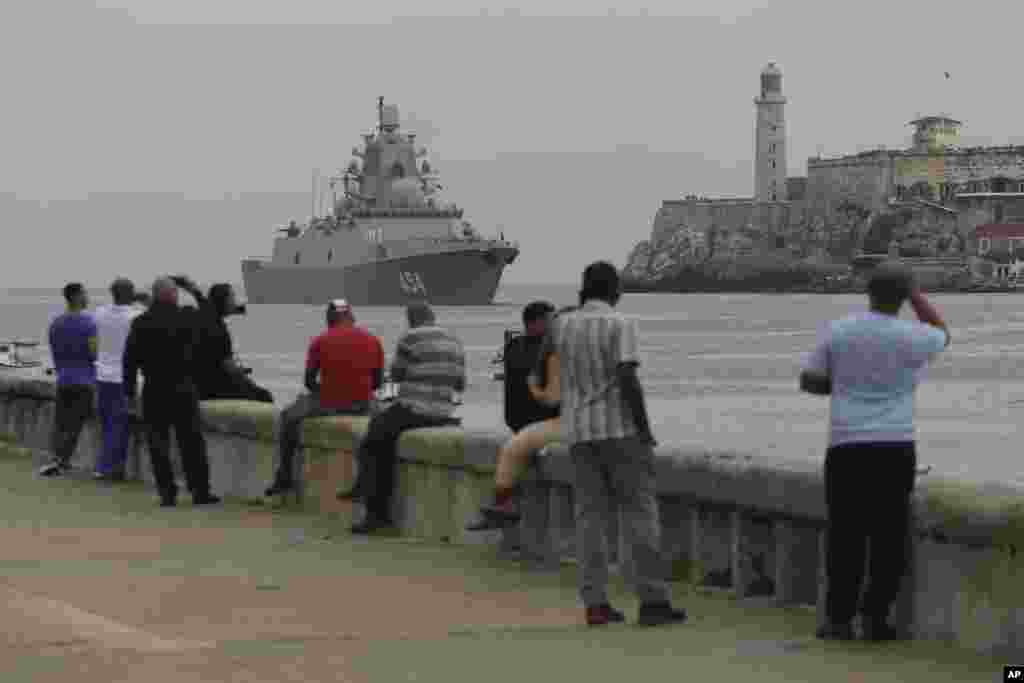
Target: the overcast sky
pixel 567 126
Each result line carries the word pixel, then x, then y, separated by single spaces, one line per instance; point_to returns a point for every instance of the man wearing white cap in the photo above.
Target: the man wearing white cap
pixel 344 366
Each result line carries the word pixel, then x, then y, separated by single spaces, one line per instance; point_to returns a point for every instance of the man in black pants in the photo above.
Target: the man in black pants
pixel 870 364
pixel 430 367
pixel 161 343
pixel 218 375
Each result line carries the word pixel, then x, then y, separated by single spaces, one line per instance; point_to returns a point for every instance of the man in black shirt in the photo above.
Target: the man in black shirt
pixel 532 421
pixel 218 375
pixel 161 343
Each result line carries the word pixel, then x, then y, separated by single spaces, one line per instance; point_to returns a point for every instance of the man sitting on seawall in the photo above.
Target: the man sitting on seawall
pixel 350 363
pixel 430 367
pixel 531 411
pixel 218 375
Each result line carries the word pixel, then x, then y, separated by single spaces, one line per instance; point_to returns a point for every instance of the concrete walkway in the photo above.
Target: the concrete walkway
pixel 101 585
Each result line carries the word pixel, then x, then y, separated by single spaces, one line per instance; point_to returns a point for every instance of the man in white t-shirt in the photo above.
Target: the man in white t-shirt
pixel 113 323
pixel 871 363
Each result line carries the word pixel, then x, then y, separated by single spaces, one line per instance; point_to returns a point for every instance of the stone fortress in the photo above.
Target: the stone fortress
pixel 927 204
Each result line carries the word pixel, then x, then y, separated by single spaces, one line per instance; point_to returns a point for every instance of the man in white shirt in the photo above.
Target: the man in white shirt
pixel 871 363
pixel 113 323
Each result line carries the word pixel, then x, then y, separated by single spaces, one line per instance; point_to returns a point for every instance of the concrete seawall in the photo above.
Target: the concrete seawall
pixel 731 520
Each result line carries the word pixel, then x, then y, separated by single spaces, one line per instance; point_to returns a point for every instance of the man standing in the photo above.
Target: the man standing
pixel 522 412
pixel 113 323
pixel 871 363
pixel 73 346
pixel 350 364
pixel 218 375
pixel 604 419
pixel 161 343
pixel 430 368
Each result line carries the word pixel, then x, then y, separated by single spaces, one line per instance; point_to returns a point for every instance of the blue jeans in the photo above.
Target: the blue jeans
pixel 113 413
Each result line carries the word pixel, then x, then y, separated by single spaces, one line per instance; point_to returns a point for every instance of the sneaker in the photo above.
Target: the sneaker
pixel 659 613
pixel 600 615
pixel 168 501
pixel 108 476
pixel 205 499
pixel 832 631
pixel 55 468
pixel 880 631
pixel 496 517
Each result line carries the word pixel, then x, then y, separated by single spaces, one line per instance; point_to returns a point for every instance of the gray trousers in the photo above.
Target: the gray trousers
pixel 617 476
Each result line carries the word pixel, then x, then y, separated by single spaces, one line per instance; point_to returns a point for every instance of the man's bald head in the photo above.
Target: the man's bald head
pixel 165 291
pixel 889 286
pixel 419 314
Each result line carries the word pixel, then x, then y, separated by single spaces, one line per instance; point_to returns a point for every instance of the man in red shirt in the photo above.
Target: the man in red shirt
pixel 350 364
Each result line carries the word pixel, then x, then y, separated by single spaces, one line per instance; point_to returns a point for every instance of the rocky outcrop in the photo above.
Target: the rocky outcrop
pixel 730 239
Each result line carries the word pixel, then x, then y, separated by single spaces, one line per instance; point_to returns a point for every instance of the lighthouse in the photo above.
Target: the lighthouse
pixel 770 138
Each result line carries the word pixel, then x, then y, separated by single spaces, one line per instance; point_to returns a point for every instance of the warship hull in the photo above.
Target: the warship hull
pixel 464 277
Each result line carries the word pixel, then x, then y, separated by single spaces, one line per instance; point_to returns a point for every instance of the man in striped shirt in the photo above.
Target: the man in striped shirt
pixel 604 420
pixel 430 369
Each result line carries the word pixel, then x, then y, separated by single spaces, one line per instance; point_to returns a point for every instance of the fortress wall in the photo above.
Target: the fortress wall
pixel 728 215
pixel 864 180
pixel 733 520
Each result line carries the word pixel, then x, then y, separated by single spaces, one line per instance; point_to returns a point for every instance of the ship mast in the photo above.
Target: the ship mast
pixel 313 197
pixel 380 115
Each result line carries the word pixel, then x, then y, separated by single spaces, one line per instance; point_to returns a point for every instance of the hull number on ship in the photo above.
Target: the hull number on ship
pixel 411 283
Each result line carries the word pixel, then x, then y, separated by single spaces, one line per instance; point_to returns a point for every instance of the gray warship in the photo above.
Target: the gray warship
pixel 384 239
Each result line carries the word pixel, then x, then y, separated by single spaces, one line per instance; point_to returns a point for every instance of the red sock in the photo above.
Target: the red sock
pixel 502 495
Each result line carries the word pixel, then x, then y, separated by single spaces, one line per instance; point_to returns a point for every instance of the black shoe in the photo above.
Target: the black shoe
pixel 832 631
pixel 371 525
pixel 879 631
pixel 659 613
pixel 277 488
pixel 356 493
pixel 108 477
pixel 205 499
pixel 168 501
pixel 496 517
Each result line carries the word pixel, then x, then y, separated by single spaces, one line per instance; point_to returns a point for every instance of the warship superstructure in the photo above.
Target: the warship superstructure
pixel 386 238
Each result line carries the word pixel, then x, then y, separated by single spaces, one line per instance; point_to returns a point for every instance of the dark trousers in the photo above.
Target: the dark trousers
pixel 378 454
pixel 113 412
pixel 177 407
pixel 237 387
pixel 305 406
pixel 75 405
pixel 867 492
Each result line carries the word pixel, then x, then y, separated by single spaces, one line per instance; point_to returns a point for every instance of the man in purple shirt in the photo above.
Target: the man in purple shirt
pixel 73 346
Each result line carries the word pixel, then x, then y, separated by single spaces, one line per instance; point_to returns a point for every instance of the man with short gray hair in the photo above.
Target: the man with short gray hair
pixel 430 368
pixel 161 344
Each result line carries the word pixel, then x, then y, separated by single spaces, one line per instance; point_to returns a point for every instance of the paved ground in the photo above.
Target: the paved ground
pixel 100 585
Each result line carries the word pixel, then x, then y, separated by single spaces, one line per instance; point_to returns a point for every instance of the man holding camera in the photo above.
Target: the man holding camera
pixel 218 375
